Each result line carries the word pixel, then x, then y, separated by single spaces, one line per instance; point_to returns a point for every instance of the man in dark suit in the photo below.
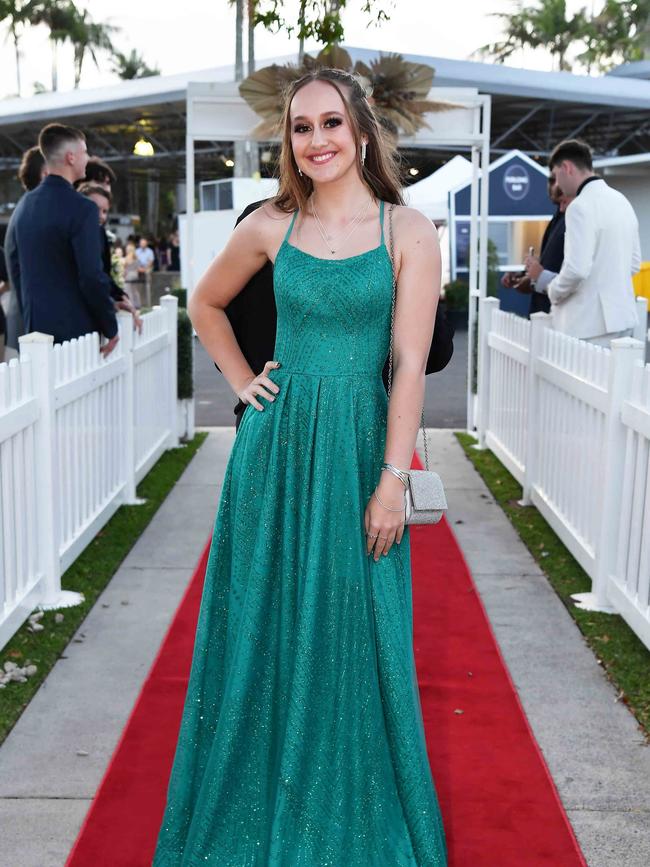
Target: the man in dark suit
pixel 541 270
pixel 53 248
pixel 4 285
pixel 253 316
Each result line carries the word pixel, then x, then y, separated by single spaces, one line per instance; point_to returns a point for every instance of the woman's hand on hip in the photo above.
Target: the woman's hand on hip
pixel 260 386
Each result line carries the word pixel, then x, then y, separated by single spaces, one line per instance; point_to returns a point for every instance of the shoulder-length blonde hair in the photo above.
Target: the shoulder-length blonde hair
pixel 380 171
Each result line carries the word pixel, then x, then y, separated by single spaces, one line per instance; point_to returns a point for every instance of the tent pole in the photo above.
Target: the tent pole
pixel 483 233
pixel 473 274
pixel 189 197
pixel 485 195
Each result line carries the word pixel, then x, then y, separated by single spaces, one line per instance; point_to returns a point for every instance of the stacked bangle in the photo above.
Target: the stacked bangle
pixel 402 475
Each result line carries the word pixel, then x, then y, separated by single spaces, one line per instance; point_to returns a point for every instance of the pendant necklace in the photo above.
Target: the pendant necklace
pixel 354 223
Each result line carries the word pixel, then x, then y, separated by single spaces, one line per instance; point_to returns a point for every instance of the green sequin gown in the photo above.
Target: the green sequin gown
pixel 302 742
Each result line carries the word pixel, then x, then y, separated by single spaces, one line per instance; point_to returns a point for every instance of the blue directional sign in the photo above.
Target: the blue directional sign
pixel 518 188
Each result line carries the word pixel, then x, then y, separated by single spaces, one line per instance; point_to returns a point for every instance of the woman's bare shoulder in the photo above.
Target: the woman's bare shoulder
pixel 268 220
pixel 412 220
pixel 414 232
pixel 265 227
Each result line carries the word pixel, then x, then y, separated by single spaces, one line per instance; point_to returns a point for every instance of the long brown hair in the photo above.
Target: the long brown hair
pixel 380 172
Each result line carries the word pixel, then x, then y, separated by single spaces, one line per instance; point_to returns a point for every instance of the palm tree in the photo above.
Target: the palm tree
pixel 128 66
pixel 60 17
pixel 14 13
pixel 544 25
pixel 301 27
pixel 246 153
pixel 250 16
pixel 619 32
pixel 239 39
pixel 89 37
pixel 318 19
pixel 245 9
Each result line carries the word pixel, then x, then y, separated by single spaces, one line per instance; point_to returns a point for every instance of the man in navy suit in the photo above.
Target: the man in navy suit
pixel 53 248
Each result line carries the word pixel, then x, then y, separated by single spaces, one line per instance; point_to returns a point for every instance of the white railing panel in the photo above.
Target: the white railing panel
pixel 69 422
pixel 151 378
pixel 629 585
pixel 572 420
pixel 88 443
pixel 19 566
pixel 572 378
pixel 508 345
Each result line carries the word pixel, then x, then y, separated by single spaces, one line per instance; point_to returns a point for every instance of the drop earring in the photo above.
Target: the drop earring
pixel 300 171
pixel 363 152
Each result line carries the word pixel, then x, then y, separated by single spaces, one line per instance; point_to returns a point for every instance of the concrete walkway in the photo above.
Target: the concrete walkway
pixel 591 742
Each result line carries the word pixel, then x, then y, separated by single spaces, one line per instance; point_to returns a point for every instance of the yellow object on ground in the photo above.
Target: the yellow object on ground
pixel 641 282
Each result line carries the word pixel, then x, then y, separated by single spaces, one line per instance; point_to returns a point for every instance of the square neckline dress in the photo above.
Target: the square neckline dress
pixel 301 741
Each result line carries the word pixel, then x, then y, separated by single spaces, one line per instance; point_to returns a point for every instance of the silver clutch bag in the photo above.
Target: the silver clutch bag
pixel 424 495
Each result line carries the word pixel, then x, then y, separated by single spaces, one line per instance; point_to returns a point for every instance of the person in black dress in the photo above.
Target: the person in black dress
pixel 253 316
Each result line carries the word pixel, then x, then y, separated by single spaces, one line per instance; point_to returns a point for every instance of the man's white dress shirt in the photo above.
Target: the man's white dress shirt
pixel 593 293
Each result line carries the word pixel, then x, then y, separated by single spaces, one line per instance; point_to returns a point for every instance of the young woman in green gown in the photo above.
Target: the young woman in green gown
pixel 302 742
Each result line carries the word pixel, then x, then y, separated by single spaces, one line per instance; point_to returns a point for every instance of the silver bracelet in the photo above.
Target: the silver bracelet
pixel 390 508
pixel 402 475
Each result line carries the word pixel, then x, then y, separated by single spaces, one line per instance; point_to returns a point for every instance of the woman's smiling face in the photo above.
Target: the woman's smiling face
pixel 321 136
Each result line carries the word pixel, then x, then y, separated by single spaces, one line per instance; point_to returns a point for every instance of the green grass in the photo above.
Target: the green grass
pixel 623 656
pixel 89 574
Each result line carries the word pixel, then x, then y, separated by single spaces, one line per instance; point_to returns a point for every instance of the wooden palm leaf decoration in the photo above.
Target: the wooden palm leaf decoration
pixel 264 90
pixel 399 93
pixel 399 90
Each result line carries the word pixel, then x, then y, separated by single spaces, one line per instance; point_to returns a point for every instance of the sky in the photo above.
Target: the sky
pixel 202 36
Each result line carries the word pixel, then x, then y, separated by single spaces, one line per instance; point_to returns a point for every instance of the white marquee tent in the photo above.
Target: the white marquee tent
pixel 431 195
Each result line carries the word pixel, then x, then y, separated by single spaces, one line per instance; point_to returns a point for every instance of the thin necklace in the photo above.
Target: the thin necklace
pixel 354 223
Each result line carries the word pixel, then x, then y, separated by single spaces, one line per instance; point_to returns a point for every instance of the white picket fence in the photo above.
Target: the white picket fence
pixel 571 422
pixel 77 433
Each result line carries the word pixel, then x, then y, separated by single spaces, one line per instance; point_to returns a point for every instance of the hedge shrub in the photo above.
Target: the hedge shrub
pixel 185 366
pixel 181 294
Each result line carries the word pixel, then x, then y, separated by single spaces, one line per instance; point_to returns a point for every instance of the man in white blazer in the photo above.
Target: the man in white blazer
pixel 592 297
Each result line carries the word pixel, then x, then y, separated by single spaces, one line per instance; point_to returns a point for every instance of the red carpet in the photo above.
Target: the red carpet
pixel 499 803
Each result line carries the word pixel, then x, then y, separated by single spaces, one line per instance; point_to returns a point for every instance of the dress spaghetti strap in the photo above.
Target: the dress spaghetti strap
pixel 290 229
pixel 381 221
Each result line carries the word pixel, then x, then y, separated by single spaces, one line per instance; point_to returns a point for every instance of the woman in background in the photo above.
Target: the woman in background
pixel 31 172
pixel 131 271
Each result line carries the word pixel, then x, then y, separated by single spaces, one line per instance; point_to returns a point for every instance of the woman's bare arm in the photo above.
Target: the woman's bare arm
pixel 418 291
pixel 245 253
pixel 417 253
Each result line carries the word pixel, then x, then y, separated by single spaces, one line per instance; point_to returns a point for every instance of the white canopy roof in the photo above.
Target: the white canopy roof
pixel 430 195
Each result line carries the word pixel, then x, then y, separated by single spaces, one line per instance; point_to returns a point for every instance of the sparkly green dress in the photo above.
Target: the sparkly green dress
pixel 302 742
